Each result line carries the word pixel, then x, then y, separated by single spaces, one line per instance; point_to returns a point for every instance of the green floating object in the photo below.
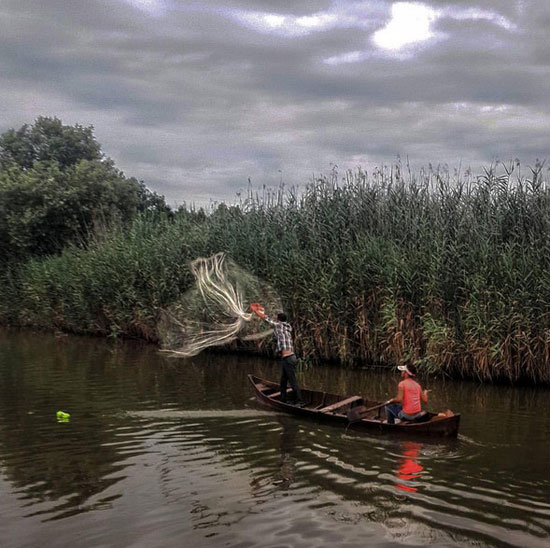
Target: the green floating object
pixel 63 417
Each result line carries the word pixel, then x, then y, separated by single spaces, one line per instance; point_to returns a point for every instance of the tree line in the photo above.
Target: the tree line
pixel 57 188
pixel 448 269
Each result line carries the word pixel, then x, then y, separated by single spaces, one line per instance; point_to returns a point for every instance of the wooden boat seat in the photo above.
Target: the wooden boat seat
pixel 423 417
pixel 277 394
pixel 322 404
pixel 338 404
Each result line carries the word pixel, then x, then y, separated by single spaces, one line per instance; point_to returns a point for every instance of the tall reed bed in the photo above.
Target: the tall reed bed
pixel 449 270
pixel 116 285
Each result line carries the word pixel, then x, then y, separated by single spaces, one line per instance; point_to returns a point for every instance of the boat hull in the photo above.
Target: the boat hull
pixel 334 408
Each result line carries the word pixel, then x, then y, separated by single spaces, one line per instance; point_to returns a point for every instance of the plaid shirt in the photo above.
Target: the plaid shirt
pixel 282 331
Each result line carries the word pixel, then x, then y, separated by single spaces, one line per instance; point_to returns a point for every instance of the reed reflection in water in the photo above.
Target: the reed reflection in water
pixel 160 452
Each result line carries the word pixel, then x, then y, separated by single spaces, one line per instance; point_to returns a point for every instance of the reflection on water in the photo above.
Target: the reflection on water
pixel 160 451
pixel 286 448
pixel 282 475
pixel 287 460
pixel 410 468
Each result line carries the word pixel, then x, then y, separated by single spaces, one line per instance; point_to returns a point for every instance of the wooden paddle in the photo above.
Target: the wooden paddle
pixel 357 413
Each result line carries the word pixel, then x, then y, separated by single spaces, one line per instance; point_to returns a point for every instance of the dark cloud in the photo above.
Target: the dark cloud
pixel 195 98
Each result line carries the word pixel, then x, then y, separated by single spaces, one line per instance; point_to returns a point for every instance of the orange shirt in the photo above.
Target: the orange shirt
pixel 411 396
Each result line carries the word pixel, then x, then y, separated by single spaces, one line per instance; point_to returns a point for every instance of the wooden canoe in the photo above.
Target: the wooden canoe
pixel 334 408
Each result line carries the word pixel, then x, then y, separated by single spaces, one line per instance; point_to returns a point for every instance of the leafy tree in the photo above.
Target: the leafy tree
pixel 48 140
pixel 57 187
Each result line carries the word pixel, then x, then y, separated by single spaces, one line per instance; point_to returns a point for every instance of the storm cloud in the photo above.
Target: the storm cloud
pixel 196 98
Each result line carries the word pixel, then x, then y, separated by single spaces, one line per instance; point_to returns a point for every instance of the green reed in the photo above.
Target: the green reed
pixel 447 269
pixel 116 285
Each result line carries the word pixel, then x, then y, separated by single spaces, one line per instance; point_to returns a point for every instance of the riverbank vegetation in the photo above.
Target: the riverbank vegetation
pixel 58 188
pixel 450 270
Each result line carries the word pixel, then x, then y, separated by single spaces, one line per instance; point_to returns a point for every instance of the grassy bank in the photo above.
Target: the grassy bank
pixel 449 270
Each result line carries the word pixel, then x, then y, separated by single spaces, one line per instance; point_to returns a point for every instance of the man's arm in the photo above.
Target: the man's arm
pixel 399 397
pixel 269 320
pixel 424 395
pixel 260 312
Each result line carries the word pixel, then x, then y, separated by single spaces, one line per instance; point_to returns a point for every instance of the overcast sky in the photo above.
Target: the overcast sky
pixel 195 98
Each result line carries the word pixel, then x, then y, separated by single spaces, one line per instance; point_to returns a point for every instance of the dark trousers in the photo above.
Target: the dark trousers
pixel 288 374
pixel 393 411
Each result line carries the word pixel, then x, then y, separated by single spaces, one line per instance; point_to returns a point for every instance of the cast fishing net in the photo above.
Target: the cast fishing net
pixel 216 310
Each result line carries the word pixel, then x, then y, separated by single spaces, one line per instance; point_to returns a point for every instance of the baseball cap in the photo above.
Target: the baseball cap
pixel 411 370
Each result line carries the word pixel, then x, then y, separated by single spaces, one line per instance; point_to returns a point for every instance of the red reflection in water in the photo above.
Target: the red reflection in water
pixel 410 468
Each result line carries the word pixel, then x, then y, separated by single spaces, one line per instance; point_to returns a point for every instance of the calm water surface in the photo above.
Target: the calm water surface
pixel 162 452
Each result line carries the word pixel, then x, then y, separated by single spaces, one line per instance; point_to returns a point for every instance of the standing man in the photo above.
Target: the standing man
pixel 407 405
pixel 282 332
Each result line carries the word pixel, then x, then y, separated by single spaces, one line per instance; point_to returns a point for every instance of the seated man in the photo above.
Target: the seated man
pixel 407 405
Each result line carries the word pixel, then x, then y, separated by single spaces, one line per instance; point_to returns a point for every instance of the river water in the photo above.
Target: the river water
pixel 164 452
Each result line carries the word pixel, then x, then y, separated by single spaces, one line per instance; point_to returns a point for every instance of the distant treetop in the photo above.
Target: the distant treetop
pixel 48 140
